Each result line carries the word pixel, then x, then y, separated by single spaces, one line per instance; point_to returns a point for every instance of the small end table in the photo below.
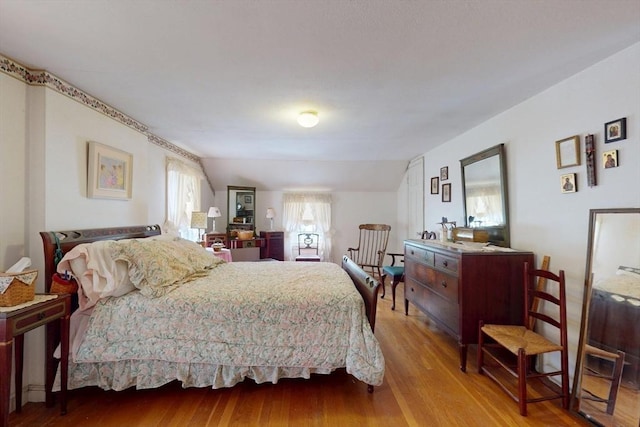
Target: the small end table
pixel 13 325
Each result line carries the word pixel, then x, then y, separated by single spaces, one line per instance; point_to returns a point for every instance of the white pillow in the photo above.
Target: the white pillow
pixel 97 274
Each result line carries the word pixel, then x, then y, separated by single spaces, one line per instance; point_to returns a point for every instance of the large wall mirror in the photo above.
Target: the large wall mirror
pixel 242 207
pixel 485 196
pixel 606 386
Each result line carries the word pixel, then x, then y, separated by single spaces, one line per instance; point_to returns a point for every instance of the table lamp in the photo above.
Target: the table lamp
pixel 199 221
pixel 271 213
pixel 214 213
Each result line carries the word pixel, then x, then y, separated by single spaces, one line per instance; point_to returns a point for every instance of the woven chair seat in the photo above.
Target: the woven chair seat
pixel 514 337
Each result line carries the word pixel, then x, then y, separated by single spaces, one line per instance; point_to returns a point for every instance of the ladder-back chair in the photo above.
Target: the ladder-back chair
pixel 614 376
pixel 514 347
pixel 372 246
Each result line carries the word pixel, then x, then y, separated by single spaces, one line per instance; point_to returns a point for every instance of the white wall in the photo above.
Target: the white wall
pixel 348 210
pixel 43 158
pixel 544 220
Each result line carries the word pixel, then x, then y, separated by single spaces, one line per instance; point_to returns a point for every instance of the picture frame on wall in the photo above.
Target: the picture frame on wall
pixel 568 152
pixel 446 192
pixel 615 130
pixel 568 183
pixel 435 185
pixel 109 172
pixel 610 159
pixel 444 173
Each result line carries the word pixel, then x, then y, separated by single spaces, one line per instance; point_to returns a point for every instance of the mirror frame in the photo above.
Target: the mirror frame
pixel 498 235
pixel 232 211
pixel 586 298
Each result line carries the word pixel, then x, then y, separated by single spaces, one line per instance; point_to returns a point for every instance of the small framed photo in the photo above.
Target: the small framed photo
pixel 435 185
pixel 444 173
pixel 446 192
pixel 568 183
pixel 109 172
pixel 610 159
pixel 615 130
pixel 248 199
pixel 568 152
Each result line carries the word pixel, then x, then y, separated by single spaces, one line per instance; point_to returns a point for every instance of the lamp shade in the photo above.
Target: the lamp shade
pixel 214 212
pixel 271 213
pixel 308 119
pixel 198 220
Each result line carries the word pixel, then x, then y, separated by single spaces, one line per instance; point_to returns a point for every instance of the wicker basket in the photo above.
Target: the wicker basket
pixel 21 289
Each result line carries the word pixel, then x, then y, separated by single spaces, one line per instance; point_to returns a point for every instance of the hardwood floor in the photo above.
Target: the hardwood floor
pixel 423 387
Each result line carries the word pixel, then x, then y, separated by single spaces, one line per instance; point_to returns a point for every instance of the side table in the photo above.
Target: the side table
pixel 13 325
pixel 223 253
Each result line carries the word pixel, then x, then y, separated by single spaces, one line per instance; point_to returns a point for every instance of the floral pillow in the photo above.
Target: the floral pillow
pixel 157 266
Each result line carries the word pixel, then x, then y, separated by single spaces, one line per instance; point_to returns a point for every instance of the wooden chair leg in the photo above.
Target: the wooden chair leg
pixel 480 355
pixel 522 382
pixel 393 291
pixel 382 279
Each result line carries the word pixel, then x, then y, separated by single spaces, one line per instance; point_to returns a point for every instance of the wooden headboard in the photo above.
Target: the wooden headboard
pixel 70 238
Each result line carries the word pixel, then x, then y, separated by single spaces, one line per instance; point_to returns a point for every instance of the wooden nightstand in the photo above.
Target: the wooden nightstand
pixel 13 325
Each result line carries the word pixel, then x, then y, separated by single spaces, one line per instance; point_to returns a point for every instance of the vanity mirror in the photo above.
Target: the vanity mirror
pixel 241 207
pixel 607 380
pixel 484 189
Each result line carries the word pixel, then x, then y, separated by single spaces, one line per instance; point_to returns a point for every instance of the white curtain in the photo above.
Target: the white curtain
pixel 319 205
pixel 183 197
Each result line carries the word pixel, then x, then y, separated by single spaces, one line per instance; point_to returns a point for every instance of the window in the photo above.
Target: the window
pixel 307 212
pixel 183 197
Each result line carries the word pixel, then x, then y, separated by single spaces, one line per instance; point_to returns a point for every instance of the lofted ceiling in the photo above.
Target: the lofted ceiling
pixel 390 79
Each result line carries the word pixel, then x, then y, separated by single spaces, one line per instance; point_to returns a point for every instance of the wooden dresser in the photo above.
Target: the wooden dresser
pixel 274 245
pixel 457 287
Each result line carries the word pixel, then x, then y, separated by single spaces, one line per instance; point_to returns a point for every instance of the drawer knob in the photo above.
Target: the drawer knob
pixel 41 316
pixel 444 284
pixel 445 263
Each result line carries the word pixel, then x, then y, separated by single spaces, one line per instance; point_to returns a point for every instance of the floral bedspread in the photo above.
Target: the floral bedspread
pixel 259 320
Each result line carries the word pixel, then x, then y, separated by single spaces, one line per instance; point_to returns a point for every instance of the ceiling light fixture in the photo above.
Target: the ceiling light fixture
pixel 308 119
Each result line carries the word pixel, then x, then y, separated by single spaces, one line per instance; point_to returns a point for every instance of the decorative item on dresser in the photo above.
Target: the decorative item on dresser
pixel 456 286
pixel 273 245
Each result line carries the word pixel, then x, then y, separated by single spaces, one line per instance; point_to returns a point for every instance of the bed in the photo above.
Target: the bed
pixel 176 312
pixel 614 317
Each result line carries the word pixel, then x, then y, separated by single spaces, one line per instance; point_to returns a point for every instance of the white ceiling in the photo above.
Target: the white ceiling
pixel 390 79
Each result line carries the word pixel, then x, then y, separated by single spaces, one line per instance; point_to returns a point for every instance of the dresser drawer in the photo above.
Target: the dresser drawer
pixel 30 320
pixel 420 255
pixel 443 284
pixel 416 293
pixel 447 263
pixel 444 311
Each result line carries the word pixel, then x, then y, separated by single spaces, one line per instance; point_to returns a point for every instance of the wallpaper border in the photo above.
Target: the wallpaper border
pixel 44 78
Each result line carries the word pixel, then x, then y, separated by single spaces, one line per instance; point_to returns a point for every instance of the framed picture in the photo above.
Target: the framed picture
pixel 610 159
pixel 568 152
pixel 444 173
pixel 568 183
pixel 435 185
pixel 615 130
pixel 446 192
pixel 109 172
pixel 248 199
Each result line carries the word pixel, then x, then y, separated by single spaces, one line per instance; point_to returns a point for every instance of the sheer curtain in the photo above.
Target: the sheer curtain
pixel 183 197
pixel 307 212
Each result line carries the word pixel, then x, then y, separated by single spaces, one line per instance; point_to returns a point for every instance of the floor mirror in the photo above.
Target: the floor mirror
pixel 606 387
